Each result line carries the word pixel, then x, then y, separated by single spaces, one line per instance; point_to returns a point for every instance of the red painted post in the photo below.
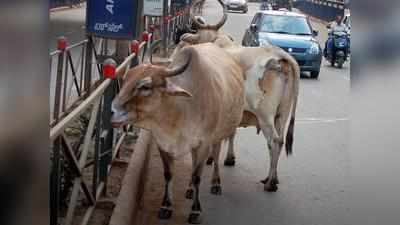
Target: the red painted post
pixel 152 28
pixel 109 69
pixel 145 36
pixel 135 46
pixel 62 43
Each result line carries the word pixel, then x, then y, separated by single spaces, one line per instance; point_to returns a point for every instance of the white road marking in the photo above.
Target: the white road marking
pixel 320 120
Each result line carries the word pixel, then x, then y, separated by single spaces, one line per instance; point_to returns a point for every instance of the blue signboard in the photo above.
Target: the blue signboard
pixel 112 18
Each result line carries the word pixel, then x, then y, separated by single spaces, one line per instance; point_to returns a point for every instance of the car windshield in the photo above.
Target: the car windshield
pixel 285 25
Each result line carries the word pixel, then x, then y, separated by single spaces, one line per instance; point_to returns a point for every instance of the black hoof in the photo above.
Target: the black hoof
pixel 209 161
pixel 189 194
pixel 266 180
pixel 229 162
pixel 194 218
pixel 216 190
pixel 164 214
pixel 271 186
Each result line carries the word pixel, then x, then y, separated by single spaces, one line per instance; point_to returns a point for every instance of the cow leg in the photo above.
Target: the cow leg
pixel 271 182
pixel 230 155
pixel 210 159
pixel 195 214
pixel 189 192
pixel 275 144
pixel 280 121
pixel 216 180
pixel 166 205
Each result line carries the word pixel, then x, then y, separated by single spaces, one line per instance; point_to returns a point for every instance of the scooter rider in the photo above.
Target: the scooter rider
pixel 335 26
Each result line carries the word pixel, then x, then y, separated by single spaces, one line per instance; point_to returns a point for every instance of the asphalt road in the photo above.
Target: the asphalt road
pixel 69 23
pixel 314 182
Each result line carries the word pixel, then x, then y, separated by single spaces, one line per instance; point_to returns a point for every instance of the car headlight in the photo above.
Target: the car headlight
pixel 263 42
pixel 314 49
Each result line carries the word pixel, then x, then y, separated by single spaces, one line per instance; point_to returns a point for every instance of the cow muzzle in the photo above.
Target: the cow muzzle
pixel 119 117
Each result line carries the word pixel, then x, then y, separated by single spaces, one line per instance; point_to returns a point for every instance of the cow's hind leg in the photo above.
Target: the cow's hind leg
pixel 195 214
pixel 275 143
pixel 230 158
pixel 280 121
pixel 216 180
pixel 166 205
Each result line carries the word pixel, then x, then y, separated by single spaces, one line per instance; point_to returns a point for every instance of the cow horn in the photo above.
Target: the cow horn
pixel 223 20
pixel 212 27
pixel 176 70
pixel 193 18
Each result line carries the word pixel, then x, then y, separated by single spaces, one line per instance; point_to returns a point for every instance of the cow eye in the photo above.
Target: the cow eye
pixel 145 87
pixel 145 90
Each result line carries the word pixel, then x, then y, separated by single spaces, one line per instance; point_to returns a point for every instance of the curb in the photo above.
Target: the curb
pixel 129 199
pixel 65 8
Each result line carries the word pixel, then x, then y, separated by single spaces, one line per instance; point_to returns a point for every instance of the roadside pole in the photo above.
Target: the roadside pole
pixel 165 29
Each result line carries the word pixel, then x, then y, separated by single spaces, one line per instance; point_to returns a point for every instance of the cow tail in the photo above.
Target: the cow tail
pixel 295 93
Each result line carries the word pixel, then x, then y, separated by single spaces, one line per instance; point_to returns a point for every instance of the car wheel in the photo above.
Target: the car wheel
pixel 314 74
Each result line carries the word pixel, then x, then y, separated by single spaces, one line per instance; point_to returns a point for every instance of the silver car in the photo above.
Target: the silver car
pixel 237 5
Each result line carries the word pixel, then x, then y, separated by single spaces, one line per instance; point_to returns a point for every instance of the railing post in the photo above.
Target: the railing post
pixel 135 48
pixel 88 66
pixel 55 169
pixel 145 38
pixel 107 131
pixel 165 30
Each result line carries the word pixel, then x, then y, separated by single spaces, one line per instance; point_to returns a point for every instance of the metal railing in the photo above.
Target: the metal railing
pixel 72 74
pixel 165 27
pixel 323 9
pixel 97 145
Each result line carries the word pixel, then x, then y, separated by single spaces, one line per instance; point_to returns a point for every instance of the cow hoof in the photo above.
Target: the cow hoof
pixel 164 214
pixel 266 180
pixel 189 194
pixel 210 160
pixel 230 162
pixel 194 218
pixel 271 186
pixel 216 190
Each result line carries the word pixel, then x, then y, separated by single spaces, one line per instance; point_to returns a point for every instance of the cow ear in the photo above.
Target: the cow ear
pixel 174 90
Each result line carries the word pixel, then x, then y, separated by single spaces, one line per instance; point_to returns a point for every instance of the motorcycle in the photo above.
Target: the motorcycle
pixel 338 46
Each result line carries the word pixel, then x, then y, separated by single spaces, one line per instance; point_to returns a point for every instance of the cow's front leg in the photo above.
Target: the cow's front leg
pixel 230 155
pixel 189 191
pixel 216 180
pixel 166 205
pixel 202 154
pixel 210 158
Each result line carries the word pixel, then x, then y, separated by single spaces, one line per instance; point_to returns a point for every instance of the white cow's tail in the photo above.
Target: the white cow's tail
pixel 295 93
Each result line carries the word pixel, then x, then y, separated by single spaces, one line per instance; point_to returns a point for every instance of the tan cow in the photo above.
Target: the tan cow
pixel 185 106
pixel 272 79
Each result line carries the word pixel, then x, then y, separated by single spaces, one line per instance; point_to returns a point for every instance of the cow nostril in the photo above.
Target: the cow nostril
pixel 115 108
